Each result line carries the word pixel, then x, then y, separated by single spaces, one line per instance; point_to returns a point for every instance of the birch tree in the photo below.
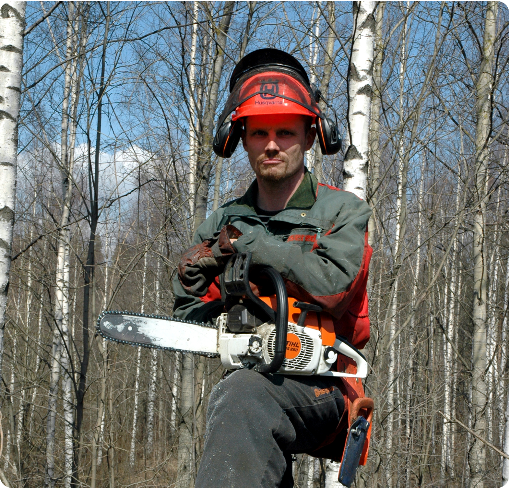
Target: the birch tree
pixel 61 347
pixel 329 56
pixel 185 473
pixel 484 87
pixel 12 23
pixel 360 97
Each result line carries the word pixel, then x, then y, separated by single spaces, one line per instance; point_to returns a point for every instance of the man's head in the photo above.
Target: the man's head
pixel 269 82
pixel 276 145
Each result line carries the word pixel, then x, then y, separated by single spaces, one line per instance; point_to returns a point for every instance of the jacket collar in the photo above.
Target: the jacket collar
pixel 303 197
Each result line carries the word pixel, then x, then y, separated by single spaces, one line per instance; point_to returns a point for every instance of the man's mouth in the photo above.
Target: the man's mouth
pixel 272 161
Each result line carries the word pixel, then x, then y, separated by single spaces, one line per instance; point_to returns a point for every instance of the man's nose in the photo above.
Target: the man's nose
pixel 272 146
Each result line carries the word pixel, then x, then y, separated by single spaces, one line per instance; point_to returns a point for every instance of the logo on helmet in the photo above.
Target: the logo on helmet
pixel 269 90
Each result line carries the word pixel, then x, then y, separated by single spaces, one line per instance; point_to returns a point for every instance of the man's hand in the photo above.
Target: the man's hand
pixel 200 264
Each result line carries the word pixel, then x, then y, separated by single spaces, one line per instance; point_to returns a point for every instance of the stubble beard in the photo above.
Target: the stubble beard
pixel 276 176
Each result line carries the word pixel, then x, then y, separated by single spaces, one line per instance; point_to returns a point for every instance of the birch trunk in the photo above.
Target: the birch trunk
pixel 70 453
pixel 325 81
pixel 503 392
pixel 447 466
pixel 360 96
pixel 410 366
pixel 176 375
pixel 98 437
pixel 62 274
pixel 132 449
pixel 185 465
pixel 217 182
pixel 399 235
pixel 313 53
pixel 204 163
pixel 484 88
pixel 193 142
pixel 12 23
pixel 375 131
pixel 219 161
pixel 153 377
pixel 185 469
pixel 89 268
pixel 37 361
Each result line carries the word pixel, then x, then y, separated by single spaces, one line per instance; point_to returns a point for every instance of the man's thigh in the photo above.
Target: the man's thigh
pixel 313 404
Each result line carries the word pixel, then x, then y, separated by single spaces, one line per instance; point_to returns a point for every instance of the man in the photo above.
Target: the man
pixel 314 236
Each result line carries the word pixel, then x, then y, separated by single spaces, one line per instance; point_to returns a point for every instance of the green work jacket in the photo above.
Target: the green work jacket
pixel 318 243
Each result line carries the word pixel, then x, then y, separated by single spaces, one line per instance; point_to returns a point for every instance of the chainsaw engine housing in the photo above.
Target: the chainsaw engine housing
pixel 304 353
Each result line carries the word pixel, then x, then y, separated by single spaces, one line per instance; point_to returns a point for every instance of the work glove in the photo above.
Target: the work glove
pixel 200 264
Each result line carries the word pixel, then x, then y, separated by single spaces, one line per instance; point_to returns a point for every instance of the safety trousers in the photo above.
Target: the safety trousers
pixel 256 422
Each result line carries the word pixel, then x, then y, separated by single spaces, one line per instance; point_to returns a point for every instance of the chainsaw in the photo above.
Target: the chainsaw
pixel 274 334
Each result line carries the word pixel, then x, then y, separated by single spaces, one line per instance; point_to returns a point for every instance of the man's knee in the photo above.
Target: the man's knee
pixel 241 385
pixel 241 392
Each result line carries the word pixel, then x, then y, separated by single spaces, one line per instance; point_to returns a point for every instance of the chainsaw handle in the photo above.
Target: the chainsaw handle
pixel 281 322
pixel 236 283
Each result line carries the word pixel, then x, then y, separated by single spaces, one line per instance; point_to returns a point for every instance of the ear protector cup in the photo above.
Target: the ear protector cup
pixel 327 133
pixel 226 138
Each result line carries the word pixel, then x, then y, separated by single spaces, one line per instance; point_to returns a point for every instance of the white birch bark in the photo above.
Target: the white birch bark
pixel 132 449
pixel 484 88
pixel 98 437
pixel 62 274
pixel 492 298
pixel 375 131
pixel 67 381
pixel 503 393
pixel 135 409
pixel 105 356
pixel 399 231
pixel 217 182
pixel 12 23
pixel 329 54
pixel 193 142
pixel 21 409
pixel 66 374
pixel 37 360
pixel 313 54
pixel 447 467
pixel 153 376
pixel 410 366
pixel 176 375
pixel 360 97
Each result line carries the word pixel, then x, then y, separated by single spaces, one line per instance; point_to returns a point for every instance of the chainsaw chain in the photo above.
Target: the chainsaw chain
pixel 153 346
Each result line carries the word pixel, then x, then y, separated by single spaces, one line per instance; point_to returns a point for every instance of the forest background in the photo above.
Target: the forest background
pixel 115 171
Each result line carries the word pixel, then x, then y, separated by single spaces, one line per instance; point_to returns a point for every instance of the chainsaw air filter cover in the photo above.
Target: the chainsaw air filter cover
pixel 304 349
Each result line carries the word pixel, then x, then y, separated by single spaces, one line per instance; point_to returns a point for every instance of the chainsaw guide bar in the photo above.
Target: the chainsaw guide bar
pixel 158 332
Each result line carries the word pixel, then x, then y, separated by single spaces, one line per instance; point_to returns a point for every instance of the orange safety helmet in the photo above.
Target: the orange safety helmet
pixel 273 92
pixel 270 81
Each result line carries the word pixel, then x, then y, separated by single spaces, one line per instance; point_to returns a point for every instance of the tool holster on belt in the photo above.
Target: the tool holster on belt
pixel 349 443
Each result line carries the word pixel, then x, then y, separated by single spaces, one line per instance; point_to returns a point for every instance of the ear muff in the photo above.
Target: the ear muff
pixel 328 135
pixel 226 138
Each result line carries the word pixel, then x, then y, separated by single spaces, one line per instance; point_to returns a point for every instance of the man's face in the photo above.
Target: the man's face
pixel 276 145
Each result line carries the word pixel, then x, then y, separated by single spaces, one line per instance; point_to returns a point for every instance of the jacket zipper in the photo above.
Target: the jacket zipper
pixel 319 230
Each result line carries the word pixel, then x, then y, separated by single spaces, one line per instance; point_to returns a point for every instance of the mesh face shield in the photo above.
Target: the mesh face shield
pixel 270 90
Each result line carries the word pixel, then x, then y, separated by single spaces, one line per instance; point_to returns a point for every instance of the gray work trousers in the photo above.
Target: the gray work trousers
pixel 255 422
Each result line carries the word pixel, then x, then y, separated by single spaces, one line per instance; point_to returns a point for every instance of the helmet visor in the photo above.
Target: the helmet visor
pixel 262 92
